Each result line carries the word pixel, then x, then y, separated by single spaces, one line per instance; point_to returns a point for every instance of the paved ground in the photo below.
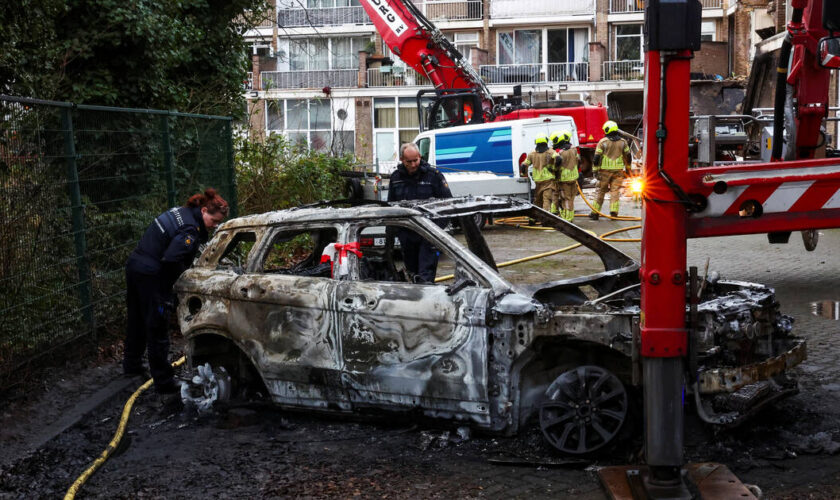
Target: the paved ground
pixel 257 451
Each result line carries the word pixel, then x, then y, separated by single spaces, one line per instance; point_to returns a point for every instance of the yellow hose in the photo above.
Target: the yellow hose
pixel 620 217
pixel 112 446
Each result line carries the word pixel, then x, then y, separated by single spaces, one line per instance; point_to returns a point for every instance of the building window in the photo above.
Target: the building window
pixel 568 45
pixel 310 122
pixel 394 123
pixel 313 54
pixel 519 47
pixel 628 42
pixel 708 30
pixel 464 42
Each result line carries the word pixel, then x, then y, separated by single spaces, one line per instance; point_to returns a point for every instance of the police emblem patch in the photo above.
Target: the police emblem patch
pixel 188 241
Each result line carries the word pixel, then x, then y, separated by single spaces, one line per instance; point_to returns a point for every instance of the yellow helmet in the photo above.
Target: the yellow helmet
pixel 555 136
pixel 541 139
pixel 610 127
pixel 564 136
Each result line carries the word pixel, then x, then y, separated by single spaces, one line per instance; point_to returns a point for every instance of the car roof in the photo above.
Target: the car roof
pixel 449 207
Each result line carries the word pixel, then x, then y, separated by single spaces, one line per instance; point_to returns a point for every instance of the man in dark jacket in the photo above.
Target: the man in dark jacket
pixel 415 179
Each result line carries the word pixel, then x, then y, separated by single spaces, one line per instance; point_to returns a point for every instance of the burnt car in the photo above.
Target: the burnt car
pixel 487 345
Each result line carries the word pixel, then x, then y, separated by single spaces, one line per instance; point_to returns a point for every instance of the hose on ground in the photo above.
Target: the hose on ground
pixel 115 441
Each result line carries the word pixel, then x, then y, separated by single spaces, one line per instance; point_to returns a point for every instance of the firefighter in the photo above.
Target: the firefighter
pixel 612 158
pixel 415 179
pixel 166 249
pixel 555 145
pixel 567 174
pixel 541 170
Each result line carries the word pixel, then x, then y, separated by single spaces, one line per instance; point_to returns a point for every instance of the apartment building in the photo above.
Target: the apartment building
pixel 321 74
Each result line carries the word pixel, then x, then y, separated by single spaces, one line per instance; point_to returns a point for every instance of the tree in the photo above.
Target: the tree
pixel 169 54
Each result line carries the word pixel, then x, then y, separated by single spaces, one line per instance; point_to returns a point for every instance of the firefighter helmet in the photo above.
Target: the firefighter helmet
pixel 555 136
pixel 564 136
pixel 541 139
pixel 610 127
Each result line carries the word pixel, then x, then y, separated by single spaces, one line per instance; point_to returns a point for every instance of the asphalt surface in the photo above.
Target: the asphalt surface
pixel 255 450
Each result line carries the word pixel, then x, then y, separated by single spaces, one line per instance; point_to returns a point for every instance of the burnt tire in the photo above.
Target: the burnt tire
pixel 584 410
pixel 353 189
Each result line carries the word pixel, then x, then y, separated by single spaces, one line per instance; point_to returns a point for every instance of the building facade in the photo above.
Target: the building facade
pixel 321 75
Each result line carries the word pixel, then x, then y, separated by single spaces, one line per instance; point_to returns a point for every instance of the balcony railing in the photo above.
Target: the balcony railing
pixel 630 6
pixel 452 10
pixel 309 79
pixel 568 72
pixel 534 73
pixel 626 6
pixel 248 83
pixel 507 9
pixel 623 70
pixel 395 76
pixel 328 16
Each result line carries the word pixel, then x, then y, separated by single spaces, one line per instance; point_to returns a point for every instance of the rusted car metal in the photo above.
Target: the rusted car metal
pixel 356 333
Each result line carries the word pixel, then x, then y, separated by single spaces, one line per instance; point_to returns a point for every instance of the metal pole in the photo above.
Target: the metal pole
pixel 168 161
pixel 78 219
pixel 232 199
pixel 664 339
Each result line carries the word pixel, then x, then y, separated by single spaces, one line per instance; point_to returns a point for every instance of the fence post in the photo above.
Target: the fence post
pixel 78 219
pixel 167 160
pixel 232 199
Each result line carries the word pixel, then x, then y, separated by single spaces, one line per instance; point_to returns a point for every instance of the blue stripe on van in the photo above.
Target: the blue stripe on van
pixel 476 150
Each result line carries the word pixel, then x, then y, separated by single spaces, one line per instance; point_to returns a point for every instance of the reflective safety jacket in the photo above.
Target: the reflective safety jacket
pixel 543 164
pixel 568 161
pixel 612 153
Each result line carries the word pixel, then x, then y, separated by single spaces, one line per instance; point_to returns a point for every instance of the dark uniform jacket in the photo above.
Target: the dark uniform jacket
pixel 426 182
pixel 169 244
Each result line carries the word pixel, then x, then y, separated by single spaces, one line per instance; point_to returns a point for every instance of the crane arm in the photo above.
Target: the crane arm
pixel 415 40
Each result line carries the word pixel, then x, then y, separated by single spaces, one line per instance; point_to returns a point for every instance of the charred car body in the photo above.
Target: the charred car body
pixel 356 333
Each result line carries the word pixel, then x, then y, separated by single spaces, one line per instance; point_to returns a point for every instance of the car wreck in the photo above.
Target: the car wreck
pixel 313 306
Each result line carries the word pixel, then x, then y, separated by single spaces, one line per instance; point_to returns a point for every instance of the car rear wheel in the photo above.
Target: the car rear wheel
pixel 583 410
pixel 208 386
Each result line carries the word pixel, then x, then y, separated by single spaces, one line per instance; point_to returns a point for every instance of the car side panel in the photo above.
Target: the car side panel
pixel 288 326
pixel 414 346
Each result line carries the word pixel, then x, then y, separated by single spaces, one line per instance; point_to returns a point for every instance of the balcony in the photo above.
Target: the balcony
pixel 395 76
pixel 623 70
pixel 509 9
pixel 535 73
pixel 316 79
pixel 631 6
pixel 327 16
pixel 452 10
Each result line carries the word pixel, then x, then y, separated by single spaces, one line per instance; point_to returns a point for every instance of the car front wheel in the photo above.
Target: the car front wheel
pixel 583 410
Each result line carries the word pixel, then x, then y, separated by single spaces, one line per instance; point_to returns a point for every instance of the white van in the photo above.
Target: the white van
pixel 482 159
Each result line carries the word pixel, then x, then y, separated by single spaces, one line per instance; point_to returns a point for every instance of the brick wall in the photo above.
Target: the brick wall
pixel 711 59
pixel 256 118
pixel 364 130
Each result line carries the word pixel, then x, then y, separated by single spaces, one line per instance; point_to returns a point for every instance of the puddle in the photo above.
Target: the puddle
pixel 828 309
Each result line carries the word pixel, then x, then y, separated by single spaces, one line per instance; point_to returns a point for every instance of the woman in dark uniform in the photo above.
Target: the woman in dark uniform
pixel 166 250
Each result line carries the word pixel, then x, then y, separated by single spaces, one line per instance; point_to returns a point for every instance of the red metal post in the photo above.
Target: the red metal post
pixel 663 271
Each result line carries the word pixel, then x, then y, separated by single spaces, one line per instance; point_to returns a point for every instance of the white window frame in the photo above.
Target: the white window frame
pixel 285 131
pixel 712 33
pixel 395 131
pixel 361 41
pixel 640 37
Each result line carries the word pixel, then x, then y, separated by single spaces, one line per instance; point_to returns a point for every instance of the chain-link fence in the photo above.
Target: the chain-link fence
pixel 78 186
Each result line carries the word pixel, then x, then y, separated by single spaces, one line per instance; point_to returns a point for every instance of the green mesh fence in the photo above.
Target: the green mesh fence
pixel 78 186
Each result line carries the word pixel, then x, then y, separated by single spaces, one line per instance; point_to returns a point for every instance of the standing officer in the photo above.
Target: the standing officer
pixel 415 179
pixel 567 174
pixel 541 163
pixel 166 250
pixel 612 157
